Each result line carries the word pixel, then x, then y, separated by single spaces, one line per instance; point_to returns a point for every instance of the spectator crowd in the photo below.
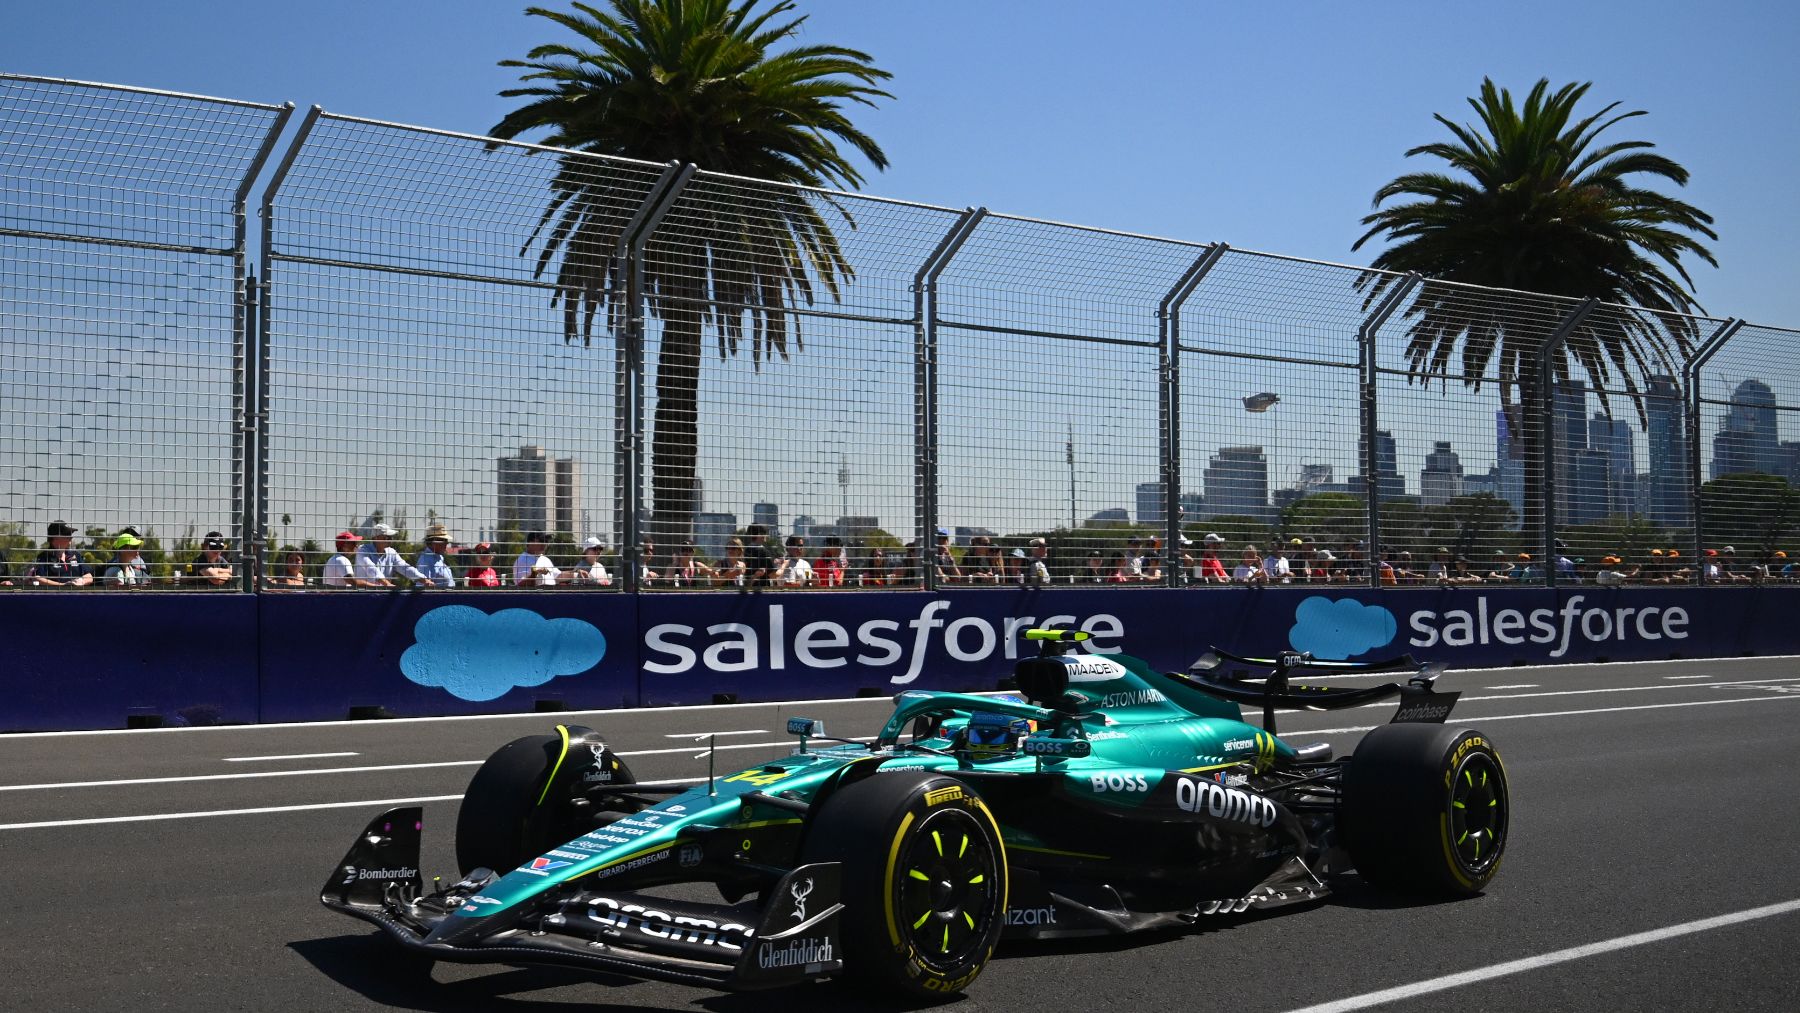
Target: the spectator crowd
pixel 758 559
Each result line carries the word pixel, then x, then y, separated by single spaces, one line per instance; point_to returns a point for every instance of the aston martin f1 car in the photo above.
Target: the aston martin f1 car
pixel 1104 797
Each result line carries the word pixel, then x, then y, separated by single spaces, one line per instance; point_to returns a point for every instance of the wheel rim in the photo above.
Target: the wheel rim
pixel 948 883
pixel 1478 812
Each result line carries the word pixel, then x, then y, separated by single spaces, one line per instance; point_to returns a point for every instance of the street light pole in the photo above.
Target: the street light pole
pixel 1070 448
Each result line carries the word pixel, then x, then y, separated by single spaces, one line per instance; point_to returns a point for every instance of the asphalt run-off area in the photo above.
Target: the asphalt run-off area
pixel 1654 864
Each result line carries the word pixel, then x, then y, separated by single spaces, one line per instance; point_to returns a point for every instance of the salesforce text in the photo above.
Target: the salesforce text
pixel 1460 628
pixel 877 643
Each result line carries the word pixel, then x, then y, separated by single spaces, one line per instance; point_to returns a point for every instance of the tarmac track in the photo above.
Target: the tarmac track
pixel 1670 795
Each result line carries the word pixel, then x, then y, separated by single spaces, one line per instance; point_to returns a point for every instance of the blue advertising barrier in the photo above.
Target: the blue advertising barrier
pixel 96 659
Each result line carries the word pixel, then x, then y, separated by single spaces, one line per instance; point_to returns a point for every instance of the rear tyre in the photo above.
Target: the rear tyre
pixel 1426 809
pixel 924 880
pixel 508 818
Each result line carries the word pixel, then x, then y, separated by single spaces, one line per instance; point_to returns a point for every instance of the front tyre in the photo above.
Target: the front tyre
pixel 1426 809
pixel 511 813
pixel 924 880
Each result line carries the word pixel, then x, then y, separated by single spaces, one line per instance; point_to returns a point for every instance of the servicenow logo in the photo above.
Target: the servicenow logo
pixel 896 648
pixel 1464 627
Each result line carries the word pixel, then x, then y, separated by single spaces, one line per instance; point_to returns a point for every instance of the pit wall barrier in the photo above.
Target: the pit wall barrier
pixel 83 660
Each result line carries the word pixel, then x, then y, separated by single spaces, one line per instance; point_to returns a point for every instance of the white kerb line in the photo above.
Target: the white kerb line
pixel 1672 678
pixel 1430 985
pixel 286 756
pixel 702 735
pixel 1519 685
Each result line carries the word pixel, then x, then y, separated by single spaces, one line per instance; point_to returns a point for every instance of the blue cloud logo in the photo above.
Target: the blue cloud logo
pixel 475 656
pixel 1335 630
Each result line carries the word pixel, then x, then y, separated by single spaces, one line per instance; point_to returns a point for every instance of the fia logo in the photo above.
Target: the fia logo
pixel 800 893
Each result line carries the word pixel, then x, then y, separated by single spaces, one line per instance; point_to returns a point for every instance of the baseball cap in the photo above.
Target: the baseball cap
pixel 483 547
pixel 1780 554
pixel 126 542
pixel 1656 552
pixel 1186 541
pixel 1674 552
pixel 1729 550
pixel 943 532
pixel 214 540
pixel 382 531
pixel 537 536
pixel 1295 541
pixel 1327 554
pixel 591 543
pixel 61 529
pixel 1525 556
pixel 1712 552
pixel 1213 539
pixel 1611 560
pixel 346 536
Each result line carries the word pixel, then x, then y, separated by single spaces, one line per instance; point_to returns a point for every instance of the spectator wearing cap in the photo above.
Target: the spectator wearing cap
pixel 482 574
pixel 1709 566
pixel 590 572
pixel 1096 569
pixel 1503 569
pixel 1210 569
pixel 759 556
pixel 1034 567
pixel 944 560
pixel 293 569
pixel 434 562
pixel 377 561
pixel 1740 571
pixel 210 568
pixel 533 568
pixel 1439 568
pixel 1326 568
pixel 792 570
pixel 340 570
pixel 59 565
pixel 1612 572
pixel 1565 567
pixel 127 569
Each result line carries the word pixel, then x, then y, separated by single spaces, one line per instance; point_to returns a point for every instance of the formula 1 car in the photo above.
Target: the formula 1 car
pixel 1103 798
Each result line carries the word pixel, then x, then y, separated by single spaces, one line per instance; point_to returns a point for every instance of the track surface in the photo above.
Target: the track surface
pixel 1672 796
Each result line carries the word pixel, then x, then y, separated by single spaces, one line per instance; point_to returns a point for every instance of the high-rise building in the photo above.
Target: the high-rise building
pixel 1150 509
pixel 711 532
pixel 1237 482
pixel 1667 448
pixel 1583 488
pixel 1746 441
pixel 1568 402
pixel 1389 484
pixel 1441 480
pixel 538 493
pixel 768 515
pixel 1612 437
pixel 1509 463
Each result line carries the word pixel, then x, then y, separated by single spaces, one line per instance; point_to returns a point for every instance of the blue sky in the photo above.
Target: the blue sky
pixel 1268 126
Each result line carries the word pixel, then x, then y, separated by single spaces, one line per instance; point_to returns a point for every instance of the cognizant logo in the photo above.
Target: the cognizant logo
pixel 1461 627
pixel 897 648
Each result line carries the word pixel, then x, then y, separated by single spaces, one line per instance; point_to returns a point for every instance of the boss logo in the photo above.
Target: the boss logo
pixel 1119 782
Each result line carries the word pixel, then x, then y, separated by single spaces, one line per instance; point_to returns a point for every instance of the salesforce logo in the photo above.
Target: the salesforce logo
pixel 476 656
pixel 1336 630
pixel 895 648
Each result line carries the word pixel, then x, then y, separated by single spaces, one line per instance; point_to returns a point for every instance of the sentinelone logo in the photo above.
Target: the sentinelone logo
pixel 1461 628
pixel 898 647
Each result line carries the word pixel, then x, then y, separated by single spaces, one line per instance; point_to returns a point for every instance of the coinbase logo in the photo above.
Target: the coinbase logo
pixel 1335 630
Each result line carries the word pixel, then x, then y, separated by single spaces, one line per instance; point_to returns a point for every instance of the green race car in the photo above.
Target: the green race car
pixel 1102 798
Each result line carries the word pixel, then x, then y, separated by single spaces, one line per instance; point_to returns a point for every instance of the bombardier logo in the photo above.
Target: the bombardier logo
pixel 352 874
pixel 1197 796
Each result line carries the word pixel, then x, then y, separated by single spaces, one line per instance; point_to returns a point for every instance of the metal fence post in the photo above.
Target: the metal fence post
pixel 1547 404
pixel 1365 350
pixel 628 403
pixel 1168 317
pixel 257 461
pixel 925 431
pixel 1690 380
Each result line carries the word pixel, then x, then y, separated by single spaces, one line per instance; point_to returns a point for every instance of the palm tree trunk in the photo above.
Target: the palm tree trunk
pixel 675 440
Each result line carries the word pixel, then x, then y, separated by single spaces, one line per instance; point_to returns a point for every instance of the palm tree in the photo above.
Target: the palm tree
pixel 1537 202
pixel 695 81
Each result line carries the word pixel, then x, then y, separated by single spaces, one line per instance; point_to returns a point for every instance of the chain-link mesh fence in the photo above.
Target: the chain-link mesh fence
pixel 122 368
pixel 484 340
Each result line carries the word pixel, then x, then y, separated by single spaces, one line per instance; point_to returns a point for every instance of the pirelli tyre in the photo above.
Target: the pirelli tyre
pixel 924 879
pixel 1425 809
pixel 510 813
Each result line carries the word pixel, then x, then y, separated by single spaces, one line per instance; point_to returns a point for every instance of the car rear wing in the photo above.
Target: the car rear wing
pixel 1419 698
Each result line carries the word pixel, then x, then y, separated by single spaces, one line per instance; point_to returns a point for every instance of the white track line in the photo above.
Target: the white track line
pixel 261 810
pixel 285 756
pixel 702 735
pixel 1674 677
pixel 559 715
pixel 1430 985
pixel 1555 714
pixel 377 768
pixel 1520 685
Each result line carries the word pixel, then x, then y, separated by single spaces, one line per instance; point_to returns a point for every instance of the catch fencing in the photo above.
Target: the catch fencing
pixel 426 328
